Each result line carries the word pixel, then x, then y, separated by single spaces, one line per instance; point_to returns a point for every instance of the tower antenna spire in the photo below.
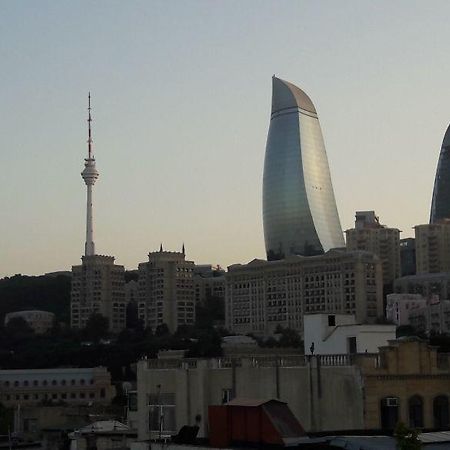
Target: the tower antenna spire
pixel 89 126
pixel 90 175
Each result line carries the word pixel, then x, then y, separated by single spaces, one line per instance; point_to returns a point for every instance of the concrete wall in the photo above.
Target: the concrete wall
pixel 314 393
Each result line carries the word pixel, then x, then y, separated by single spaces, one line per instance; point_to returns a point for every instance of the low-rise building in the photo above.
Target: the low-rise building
pixel 39 321
pixel 399 307
pixel 330 334
pixel 263 295
pixel 407 380
pixel 53 386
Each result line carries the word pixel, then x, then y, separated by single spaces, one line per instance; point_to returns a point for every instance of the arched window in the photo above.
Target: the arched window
pixel 440 412
pixel 415 406
pixel 389 407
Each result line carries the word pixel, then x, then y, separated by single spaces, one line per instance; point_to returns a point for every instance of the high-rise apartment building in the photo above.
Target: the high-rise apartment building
pixel 97 284
pixel 262 294
pixel 440 204
pixel 166 290
pixel 371 236
pixel 433 247
pixel 299 209
pixel 408 256
pixel 209 283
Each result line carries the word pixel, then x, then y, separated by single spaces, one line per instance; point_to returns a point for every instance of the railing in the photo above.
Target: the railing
pixel 285 361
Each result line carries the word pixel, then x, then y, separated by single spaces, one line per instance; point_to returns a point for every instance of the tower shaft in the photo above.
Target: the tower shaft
pixel 89 246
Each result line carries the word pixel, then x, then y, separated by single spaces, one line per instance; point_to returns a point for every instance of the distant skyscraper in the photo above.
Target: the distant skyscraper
pixel 440 205
pixel 299 209
pixel 98 283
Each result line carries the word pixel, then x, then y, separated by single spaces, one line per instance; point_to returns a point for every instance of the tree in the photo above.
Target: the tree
pixel 96 328
pixel 407 438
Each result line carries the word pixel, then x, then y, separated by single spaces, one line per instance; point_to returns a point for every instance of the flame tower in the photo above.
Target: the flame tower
pixel 90 175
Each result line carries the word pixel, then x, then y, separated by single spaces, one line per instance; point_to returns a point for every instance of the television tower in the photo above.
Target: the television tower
pixel 90 175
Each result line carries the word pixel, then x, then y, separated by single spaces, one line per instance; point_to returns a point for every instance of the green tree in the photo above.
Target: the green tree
pixel 407 438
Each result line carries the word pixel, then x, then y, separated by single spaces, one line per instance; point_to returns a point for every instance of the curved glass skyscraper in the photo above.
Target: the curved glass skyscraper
pixel 299 210
pixel 440 205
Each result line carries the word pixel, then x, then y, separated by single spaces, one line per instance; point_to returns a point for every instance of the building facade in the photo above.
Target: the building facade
pixel 440 204
pixel 299 209
pixel 331 334
pixel 371 236
pixel 32 387
pixel 166 290
pixel 262 295
pixel 98 287
pixel 39 321
pixel 408 256
pixel 406 380
pixel 431 318
pixel 209 283
pixel 433 286
pixel 433 247
pixel 400 306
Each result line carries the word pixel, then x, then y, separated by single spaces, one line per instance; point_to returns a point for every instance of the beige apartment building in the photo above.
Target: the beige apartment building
pixel 433 247
pixel 166 290
pixel 371 236
pixel 98 287
pixel 263 294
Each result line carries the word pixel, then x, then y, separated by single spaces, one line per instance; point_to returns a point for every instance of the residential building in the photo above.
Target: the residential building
pixel 406 380
pixel 262 295
pixel 300 216
pixel 39 321
pixel 371 236
pixel 33 387
pixel 433 247
pixel 98 288
pixel 209 283
pixel 330 334
pixel 408 256
pixel 399 307
pixel 430 285
pixel 432 318
pixel 166 290
pixel 440 205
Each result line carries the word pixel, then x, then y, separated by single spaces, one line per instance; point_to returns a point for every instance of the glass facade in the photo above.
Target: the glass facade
pixel 440 205
pixel 299 210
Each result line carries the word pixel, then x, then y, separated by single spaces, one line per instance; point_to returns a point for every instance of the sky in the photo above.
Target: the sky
pixel 181 95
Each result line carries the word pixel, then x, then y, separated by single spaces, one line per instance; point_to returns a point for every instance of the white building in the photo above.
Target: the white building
pixel 399 306
pixel 39 321
pixel 329 334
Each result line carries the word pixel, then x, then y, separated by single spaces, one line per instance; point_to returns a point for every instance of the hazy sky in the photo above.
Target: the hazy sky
pixel 181 95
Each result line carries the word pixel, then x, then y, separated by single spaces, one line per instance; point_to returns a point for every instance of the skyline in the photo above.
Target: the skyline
pixel 181 105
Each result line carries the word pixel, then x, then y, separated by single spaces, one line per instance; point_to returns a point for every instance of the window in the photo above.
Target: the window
pixel 351 345
pixel 227 395
pixel 132 401
pixel 332 321
pixel 161 410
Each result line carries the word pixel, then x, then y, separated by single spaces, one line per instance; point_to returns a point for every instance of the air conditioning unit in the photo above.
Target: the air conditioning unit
pixel 392 401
